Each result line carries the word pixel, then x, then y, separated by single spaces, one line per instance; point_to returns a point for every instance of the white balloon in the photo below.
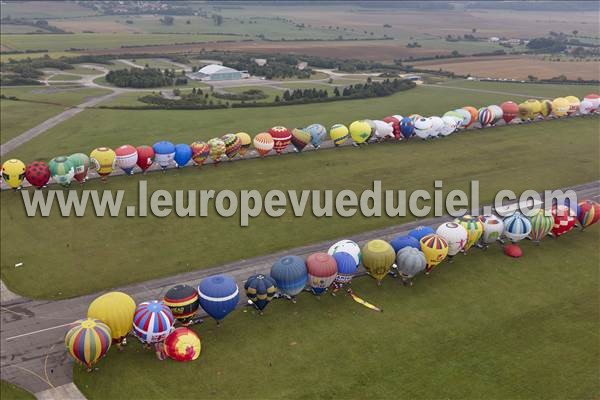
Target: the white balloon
pixel 383 129
pixel 456 236
pixel 422 127
pixel 436 126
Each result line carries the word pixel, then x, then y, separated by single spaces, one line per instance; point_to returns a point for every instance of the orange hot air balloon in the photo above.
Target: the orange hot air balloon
pixel 510 110
pixel 474 114
pixel 263 143
pixel 182 345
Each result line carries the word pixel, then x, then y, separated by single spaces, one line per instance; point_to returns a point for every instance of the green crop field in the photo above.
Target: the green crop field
pixel 60 96
pixel 107 127
pixel 409 166
pixel 59 42
pixel 486 326
pixel 44 9
pixel 17 116
pixel 12 28
pixel 533 89
pixel 8 391
pixel 51 54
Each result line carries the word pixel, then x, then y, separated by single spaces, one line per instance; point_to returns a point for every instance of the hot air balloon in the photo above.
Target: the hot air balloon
pixel 545 108
pixel 435 249
pixel 423 128
pixel 246 142
pixel 450 125
pixel 360 131
pixel 420 231
pixel 347 246
pixel 102 159
pixel 400 242
pixel 517 227
pixel 437 125
pixel 564 219
pixel 474 230
pixel 525 113
pixel 510 110
pixel 407 127
pixel 466 117
pixel 322 270
pixel 535 107
pixel 116 310
pixel 457 116
pixel 492 228
pixel 219 295
pixel 183 300
pixel 13 172
pixel 498 113
pixel 182 345
pixel 455 235
pixel 200 152
pixel 409 262
pixel 415 117
pixel 233 144
pixel 573 105
pixel 317 134
pixel 541 225
pixel 126 158
pixel 263 143
pixel 145 157
pixel 152 321
pixel 485 116
pixel 560 107
pixel 586 107
pixel 378 258
pixel 37 174
pixel 61 170
pixel 183 155
pixel 594 98
pixel 338 134
pixel 474 114
pixel 383 130
pixel 87 341
pixel 81 164
pixel 346 267
pixel 281 138
pixel 395 123
pixel 217 149
pixel 260 290
pixel 300 138
pixel 164 152
pixel 290 274
pixel 588 213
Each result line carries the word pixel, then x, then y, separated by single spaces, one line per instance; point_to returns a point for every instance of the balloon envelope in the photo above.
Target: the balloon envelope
pixel 233 144
pixel 435 249
pixel 281 138
pixel 219 295
pixel 81 165
pixel 347 246
pixel 152 321
pixel 492 228
pixel 564 219
pixel 116 310
pixel 61 170
pixel 473 227
pixel 88 340
pixel 263 143
pixel 183 154
pixel 420 231
pixel 400 242
pixel 200 152
pixel 145 157
pixel 360 131
pixel 103 159
pixel 317 134
pixel 588 213
pixel 290 274
pixel 183 300
pixel 346 267
pixel 246 142
pixel 217 149
pixel 37 174
pixel 510 110
pixel 126 158
pixel 164 152
pixel 322 271
pixel 560 106
pixel 455 236
pixel 378 258
pixel 410 261
pixel 182 345
pixel 338 134
pixel 260 290
pixel 300 138
pixel 541 225
pixel 516 227
pixel 407 127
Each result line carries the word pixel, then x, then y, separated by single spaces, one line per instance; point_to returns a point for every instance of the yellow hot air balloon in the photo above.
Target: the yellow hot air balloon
pixel 546 108
pixel 360 131
pixel 535 107
pixel 378 256
pixel 87 341
pixel 560 106
pixel 13 172
pixel 474 229
pixel 525 111
pixel 103 160
pixel 435 249
pixel 116 310
pixel 573 104
pixel 246 142
pixel 338 134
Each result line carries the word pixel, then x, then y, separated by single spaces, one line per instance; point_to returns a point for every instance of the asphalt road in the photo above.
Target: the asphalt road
pixel 32 331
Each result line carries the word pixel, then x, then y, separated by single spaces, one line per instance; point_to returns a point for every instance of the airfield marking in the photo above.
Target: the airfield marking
pixel 38 331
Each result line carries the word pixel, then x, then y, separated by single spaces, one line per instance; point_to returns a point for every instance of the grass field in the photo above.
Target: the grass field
pixel 526 89
pixel 107 127
pixel 64 77
pixel 486 326
pixel 44 9
pixel 406 166
pixel 67 97
pixel 58 42
pixel 51 54
pixel 12 28
pixel 8 391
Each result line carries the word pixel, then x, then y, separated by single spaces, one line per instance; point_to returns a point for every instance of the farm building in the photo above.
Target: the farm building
pixel 216 72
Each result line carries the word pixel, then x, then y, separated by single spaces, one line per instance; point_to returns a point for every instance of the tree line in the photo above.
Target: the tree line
pixel 144 78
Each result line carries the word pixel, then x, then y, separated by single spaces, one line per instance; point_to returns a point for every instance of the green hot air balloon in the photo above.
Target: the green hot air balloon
pixel 61 170
pixel 81 164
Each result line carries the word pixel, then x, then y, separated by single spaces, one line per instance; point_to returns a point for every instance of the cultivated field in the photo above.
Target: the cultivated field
pixel 516 67
pixel 483 324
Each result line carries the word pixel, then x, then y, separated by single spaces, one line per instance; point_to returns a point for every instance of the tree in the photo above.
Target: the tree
pixel 575 32
pixel 532 78
pixel 277 99
pixel 176 92
pixel 217 19
pixel 336 92
pixel 474 30
pixel 188 22
pixel 167 20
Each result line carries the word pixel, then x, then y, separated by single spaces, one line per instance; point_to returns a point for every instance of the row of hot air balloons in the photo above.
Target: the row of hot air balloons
pixel 113 316
pixel 103 160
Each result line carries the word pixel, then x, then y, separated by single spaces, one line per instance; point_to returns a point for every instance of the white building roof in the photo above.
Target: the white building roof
pixel 215 69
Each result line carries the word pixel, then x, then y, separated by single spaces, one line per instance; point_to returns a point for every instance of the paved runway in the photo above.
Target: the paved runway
pixel 32 331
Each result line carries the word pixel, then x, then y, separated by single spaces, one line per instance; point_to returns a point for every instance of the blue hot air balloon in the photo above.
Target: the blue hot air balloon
pixel 219 294
pixel 163 153
pixel 421 231
pixel 407 127
pixel 260 290
pixel 317 133
pixel 346 267
pixel 400 242
pixel 290 274
pixel 183 155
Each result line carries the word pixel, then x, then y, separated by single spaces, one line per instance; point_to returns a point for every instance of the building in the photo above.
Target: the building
pixel 214 72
